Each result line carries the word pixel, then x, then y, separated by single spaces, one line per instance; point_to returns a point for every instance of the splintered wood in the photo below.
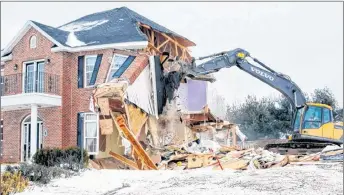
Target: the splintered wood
pixel 126 161
pixel 141 153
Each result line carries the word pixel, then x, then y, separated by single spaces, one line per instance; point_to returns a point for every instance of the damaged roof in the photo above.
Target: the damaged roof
pixel 115 26
pixel 118 25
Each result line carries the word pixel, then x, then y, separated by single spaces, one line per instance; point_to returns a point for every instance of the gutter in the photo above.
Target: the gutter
pixel 120 46
pixel 6 58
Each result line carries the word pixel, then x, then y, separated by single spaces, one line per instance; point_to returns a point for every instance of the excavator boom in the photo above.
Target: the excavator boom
pixel 308 134
pixel 239 58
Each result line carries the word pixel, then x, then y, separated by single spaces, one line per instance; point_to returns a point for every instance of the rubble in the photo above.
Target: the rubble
pixel 181 141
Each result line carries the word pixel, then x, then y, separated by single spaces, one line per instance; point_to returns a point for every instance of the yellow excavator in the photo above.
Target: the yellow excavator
pixel 313 124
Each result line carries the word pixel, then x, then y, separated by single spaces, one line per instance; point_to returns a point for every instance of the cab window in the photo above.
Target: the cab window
pixel 312 118
pixel 297 120
pixel 326 115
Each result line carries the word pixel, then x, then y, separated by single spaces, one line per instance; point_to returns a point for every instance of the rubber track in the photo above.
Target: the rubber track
pixel 297 145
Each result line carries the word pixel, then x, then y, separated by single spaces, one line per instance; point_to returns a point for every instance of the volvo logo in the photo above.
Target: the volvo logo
pixel 263 74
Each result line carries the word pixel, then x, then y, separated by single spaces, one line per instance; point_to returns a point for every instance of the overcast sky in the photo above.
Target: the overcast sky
pixel 302 40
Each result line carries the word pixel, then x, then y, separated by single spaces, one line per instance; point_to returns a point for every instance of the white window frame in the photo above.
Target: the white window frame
pixel 35 62
pixel 84 132
pixel 33 41
pixel 113 62
pixel 85 70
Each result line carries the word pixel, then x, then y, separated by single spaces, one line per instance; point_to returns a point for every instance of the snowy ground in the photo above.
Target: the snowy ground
pixel 309 179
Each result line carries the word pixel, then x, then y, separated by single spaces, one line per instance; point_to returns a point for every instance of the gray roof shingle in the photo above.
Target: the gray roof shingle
pixel 118 25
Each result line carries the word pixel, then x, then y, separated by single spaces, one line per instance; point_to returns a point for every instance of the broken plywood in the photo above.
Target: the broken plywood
pixel 142 155
pixel 233 164
pixel 196 161
pixel 106 125
pixel 153 129
pixel 137 119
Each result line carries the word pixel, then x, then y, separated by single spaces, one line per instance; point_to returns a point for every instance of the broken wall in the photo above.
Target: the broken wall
pixel 112 142
pixel 192 96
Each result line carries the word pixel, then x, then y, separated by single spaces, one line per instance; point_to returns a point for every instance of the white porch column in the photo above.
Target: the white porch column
pixel 33 145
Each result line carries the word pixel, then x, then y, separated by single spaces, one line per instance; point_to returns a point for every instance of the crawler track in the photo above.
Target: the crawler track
pixel 296 148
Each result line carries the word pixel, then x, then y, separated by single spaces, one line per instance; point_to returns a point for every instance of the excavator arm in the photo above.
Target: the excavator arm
pixel 239 58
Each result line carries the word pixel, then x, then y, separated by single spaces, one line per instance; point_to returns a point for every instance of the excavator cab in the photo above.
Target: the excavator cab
pixel 314 122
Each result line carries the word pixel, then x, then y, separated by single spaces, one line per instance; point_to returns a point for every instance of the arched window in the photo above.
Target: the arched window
pixel 33 42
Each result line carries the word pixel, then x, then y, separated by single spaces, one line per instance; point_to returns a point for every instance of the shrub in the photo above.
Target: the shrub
pixel 68 158
pixel 13 182
pixel 41 173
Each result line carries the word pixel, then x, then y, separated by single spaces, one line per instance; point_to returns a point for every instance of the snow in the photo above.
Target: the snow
pixel 73 41
pixel 81 26
pixel 302 180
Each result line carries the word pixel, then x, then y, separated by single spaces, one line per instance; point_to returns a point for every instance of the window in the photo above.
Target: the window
pixel 33 76
pixel 117 62
pixel 33 42
pixel 90 62
pixel 91 133
pixel 313 117
pixel 297 120
pixel 326 115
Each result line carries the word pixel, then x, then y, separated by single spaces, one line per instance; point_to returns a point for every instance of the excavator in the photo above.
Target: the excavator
pixel 313 126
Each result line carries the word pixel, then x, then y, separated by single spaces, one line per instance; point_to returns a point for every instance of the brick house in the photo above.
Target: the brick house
pixel 49 74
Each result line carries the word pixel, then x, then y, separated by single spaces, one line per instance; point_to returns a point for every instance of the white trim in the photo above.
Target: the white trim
pixel 34 72
pixel 23 31
pixel 21 100
pixel 33 43
pixel 112 62
pixel 22 134
pixel 85 79
pixel 84 133
pixel 6 58
pixel 153 79
pixel 125 45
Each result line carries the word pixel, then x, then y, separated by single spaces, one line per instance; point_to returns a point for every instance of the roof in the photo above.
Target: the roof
pixel 319 105
pixel 108 27
pixel 118 27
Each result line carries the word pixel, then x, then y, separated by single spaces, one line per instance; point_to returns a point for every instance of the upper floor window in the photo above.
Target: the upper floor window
pixel 33 42
pixel 90 62
pixel 117 62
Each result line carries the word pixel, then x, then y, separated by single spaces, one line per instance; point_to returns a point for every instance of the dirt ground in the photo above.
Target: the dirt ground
pixel 307 179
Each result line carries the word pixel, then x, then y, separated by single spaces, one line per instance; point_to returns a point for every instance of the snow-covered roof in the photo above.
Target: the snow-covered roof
pixel 116 27
pixel 112 26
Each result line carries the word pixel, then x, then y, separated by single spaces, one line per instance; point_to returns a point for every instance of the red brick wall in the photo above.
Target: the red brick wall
pixel 12 130
pixel 61 122
pixel 76 99
pixel 22 53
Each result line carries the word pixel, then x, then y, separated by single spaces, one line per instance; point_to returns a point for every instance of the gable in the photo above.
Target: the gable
pixel 22 33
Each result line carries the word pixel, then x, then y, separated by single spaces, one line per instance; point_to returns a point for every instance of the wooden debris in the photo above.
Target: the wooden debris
pixel 282 163
pixel 233 164
pixel 104 106
pixel 196 161
pixel 137 119
pixel 106 125
pixel 142 155
pixel 124 160
pixel 333 152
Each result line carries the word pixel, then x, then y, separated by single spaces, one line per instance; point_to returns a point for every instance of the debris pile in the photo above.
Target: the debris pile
pixel 210 154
